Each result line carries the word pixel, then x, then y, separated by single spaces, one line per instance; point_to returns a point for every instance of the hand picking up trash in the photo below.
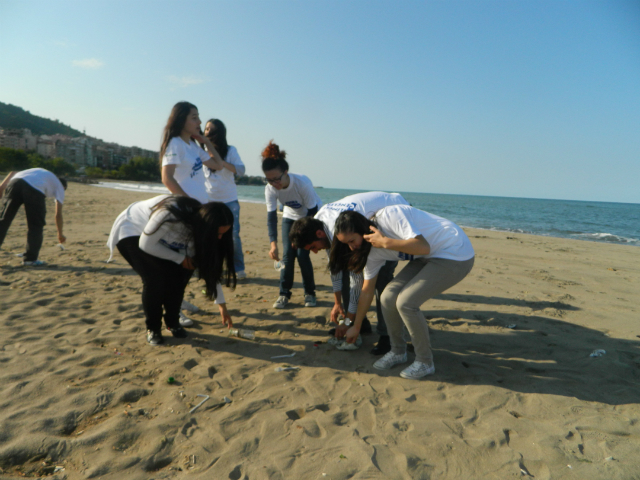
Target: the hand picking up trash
pixel 346 335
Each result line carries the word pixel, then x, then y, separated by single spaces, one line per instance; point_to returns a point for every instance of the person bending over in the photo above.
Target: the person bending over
pixel 439 253
pixel 30 188
pixel 165 239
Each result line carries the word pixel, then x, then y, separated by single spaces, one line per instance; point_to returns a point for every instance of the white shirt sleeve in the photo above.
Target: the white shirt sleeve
pixel 233 157
pixel 174 154
pixel 271 198
pixel 220 293
pixel 308 194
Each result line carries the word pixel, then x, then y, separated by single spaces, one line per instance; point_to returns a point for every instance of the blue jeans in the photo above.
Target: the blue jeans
pixel 289 255
pixel 238 255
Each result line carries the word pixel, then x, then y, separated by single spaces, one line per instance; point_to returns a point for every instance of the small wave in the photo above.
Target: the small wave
pixel 607 237
pixel 134 187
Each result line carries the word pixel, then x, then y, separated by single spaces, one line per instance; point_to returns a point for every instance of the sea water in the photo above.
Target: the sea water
pixel 608 222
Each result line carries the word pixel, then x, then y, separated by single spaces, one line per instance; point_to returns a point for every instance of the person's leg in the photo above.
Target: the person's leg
pixel 11 203
pixel 176 280
pixel 346 290
pixel 306 268
pixel 150 273
pixel 288 258
pixel 436 276
pixel 238 255
pixel 388 299
pixel 384 277
pixel 36 211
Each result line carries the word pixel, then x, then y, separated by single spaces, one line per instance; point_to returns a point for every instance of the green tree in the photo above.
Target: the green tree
pixel 12 159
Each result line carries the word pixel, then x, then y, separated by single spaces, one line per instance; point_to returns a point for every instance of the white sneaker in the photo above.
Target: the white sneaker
pixel 418 370
pixel 390 360
pixel 34 263
pixel 185 321
pixel 281 302
pixel 241 275
pixel 310 301
pixel 190 307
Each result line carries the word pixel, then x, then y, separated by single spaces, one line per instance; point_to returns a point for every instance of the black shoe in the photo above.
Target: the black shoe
pixel 383 346
pixel 178 332
pixel 366 326
pixel 154 338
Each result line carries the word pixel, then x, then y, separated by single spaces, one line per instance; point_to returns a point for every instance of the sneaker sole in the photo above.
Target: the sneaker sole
pixel 388 368
pixel 430 372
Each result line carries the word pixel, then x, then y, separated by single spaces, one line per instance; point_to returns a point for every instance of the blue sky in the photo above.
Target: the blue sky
pixel 523 98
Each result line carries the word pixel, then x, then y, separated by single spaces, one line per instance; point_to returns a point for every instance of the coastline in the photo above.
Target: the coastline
pixel 83 390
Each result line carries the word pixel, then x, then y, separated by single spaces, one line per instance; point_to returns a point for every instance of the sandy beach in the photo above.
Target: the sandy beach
pixel 516 393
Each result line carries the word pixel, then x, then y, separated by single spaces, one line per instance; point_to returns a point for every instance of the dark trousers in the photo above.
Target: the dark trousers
pixel 384 277
pixel 289 255
pixel 163 284
pixel 19 193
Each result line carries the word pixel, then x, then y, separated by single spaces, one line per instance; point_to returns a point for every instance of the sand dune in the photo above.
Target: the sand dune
pixel 516 393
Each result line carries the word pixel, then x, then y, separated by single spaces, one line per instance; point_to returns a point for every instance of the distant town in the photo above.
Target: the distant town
pixel 83 151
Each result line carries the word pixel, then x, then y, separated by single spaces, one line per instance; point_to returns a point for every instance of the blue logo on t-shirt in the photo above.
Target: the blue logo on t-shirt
pixel 405 256
pixel 293 204
pixel 341 207
pixel 196 168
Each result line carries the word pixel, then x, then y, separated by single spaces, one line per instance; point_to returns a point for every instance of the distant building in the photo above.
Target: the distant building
pixel 82 151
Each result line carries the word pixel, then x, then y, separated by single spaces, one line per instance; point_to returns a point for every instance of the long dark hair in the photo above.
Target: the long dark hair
pixel 273 157
pixel 342 257
pixel 175 124
pixel 218 136
pixel 213 256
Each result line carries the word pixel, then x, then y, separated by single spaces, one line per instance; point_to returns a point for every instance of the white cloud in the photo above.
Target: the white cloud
pixel 185 81
pixel 90 63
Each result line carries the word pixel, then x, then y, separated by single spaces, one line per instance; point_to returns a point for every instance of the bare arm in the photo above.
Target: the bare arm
pixel 59 222
pixel 170 182
pixel 5 183
pixel 413 246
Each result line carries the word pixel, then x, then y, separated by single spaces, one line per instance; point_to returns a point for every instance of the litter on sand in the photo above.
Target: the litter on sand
pixel 206 397
pixel 287 369
pixel 341 343
pixel 61 247
pixel 598 353
pixel 284 356
pixel 512 326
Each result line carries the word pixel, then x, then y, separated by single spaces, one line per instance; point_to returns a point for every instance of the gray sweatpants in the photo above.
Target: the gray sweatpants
pixel 420 280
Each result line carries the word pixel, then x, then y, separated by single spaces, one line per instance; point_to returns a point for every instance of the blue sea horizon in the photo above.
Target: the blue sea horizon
pixel 605 222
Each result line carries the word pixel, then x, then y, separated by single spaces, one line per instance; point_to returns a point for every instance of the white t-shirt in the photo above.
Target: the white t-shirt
pixel 167 240
pixel 365 203
pixel 297 198
pixel 220 184
pixel 446 239
pixel 188 158
pixel 42 180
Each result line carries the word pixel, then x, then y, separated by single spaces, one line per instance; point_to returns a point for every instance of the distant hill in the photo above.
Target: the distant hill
pixel 15 117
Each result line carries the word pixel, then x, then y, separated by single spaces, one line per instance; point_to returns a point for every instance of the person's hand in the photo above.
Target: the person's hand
pixel 188 263
pixel 273 253
pixel 341 330
pixel 61 238
pixel 352 334
pixel 199 137
pixel 336 311
pixel 376 239
pixel 224 314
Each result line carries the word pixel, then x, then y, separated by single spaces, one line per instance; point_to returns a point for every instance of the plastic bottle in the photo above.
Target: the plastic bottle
pixel 242 333
pixel 278 265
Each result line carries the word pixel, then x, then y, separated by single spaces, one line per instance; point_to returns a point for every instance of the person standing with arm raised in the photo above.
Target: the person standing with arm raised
pixel 299 198
pixel 221 186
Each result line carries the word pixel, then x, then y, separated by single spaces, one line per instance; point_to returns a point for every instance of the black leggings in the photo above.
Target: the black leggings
pixel 163 284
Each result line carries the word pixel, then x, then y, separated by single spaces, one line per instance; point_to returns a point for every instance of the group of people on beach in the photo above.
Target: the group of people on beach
pixel 197 228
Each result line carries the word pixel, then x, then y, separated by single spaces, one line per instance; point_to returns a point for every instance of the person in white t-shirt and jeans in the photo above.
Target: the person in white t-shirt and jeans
pixel 300 199
pixel 439 253
pixel 221 186
pixel 30 188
